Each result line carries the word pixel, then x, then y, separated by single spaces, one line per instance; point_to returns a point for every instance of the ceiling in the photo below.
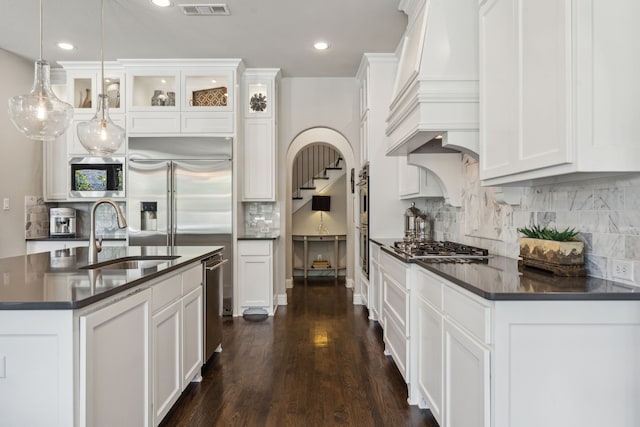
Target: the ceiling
pixel 264 33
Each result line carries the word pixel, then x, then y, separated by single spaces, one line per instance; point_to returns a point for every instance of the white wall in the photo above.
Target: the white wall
pixel 306 221
pixel 20 157
pixel 307 103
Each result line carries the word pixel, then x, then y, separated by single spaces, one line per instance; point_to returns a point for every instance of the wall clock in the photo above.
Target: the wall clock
pixel 258 102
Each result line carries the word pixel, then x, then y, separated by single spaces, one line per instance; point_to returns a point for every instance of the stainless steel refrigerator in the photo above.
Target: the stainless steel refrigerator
pixel 179 193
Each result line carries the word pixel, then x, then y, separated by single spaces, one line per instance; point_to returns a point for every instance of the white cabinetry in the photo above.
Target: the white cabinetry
pixel 376 76
pixel 36 368
pixel 177 337
pixel 56 168
pixel 374 300
pixel 255 276
pixel 114 363
pixel 173 97
pixel 166 360
pixel 557 95
pixel 428 334
pixel 259 101
pixel 395 311
pixel 451 337
pixel 414 181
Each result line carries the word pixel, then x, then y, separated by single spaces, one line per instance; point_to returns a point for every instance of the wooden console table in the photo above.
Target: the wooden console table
pixel 334 261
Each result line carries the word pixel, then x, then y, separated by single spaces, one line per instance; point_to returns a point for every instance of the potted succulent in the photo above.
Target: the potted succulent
pixel 553 250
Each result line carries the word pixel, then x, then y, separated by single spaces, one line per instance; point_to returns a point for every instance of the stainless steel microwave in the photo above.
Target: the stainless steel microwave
pixel 96 177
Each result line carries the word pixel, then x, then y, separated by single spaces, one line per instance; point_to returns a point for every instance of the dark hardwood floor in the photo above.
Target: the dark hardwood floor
pixel 318 362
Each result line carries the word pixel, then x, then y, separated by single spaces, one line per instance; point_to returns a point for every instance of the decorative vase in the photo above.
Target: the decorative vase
pixel 156 99
pixel 171 101
pixel 86 103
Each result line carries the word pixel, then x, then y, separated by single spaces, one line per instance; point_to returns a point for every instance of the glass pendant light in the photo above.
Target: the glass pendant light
pixel 40 114
pixel 100 136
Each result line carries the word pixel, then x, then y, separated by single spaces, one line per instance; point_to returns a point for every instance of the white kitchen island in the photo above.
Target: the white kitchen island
pixel 99 347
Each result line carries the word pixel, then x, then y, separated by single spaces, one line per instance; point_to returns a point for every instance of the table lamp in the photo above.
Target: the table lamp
pixel 322 204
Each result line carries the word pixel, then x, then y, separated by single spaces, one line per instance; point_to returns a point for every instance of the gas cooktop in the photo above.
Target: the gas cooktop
pixel 440 250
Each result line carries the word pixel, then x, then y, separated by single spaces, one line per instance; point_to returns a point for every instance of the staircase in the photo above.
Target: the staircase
pixel 315 168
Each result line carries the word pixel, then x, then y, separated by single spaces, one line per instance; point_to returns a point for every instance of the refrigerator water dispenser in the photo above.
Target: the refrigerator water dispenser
pixel 149 216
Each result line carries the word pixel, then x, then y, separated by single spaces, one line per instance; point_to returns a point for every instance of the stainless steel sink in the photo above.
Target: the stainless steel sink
pixel 132 263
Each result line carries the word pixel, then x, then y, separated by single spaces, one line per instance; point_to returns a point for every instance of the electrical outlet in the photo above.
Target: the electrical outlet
pixel 622 269
pixel 5 203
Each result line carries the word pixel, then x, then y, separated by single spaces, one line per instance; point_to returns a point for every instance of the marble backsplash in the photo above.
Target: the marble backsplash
pixel 261 217
pixel 37 219
pixel 606 211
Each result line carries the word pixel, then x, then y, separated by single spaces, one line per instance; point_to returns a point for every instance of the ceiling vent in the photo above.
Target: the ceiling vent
pixel 205 9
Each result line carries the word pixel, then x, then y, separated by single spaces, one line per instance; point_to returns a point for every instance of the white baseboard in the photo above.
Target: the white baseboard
pixel 282 299
pixel 357 299
pixel 349 283
pixel 288 283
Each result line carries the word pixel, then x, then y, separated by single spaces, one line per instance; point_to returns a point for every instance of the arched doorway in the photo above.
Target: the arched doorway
pixel 332 138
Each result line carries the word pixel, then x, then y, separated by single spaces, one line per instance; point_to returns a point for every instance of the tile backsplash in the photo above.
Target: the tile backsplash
pixel 261 217
pixel 37 219
pixel 606 211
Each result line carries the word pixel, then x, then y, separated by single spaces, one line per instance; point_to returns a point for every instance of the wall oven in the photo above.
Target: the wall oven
pixel 96 177
pixel 363 192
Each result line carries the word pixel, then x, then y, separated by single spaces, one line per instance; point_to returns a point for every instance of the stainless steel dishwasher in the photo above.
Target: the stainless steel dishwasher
pixel 213 304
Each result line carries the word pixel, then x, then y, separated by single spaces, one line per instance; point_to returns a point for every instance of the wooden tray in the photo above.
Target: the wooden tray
pixel 214 97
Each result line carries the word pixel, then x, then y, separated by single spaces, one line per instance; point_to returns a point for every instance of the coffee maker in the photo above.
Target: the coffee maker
pixel 62 222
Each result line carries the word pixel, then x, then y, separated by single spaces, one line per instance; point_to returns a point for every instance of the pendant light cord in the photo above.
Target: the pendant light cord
pixel 41 30
pixel 102 52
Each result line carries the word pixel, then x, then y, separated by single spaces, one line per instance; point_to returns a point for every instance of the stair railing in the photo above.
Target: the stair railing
pixel 312 162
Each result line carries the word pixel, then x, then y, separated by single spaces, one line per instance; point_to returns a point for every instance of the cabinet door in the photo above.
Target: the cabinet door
pixel 429 357
pixel 56 167
pixel 524 94
pixel 466 380
pixel 254 281
pixel 114 364
pixel 408 178
pixel 167 384
pixel 192 325
pixel 259 160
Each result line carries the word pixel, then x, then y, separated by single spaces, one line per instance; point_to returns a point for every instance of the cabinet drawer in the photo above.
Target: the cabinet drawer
pixel 394 268
pixel 396 343
pixel 468 313
pixel 207 122
pixel 395 303
pixel 191 279
pixel 429 288
pixel 254 247
pixel 165 292
pixel 156 122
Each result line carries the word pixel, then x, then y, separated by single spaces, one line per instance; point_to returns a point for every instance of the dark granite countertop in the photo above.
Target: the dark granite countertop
pixel 57 280
pixel 73 239
pixel 501 278
pixel 259 236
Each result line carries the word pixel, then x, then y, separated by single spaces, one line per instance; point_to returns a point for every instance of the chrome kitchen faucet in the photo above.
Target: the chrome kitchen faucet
pixel 96 246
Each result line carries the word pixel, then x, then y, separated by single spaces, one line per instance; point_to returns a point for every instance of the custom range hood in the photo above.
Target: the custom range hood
pixel 436 87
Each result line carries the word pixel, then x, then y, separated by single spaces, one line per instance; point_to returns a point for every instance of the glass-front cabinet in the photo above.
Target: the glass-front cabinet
pixel 153 90
pixel 207 90
pixel 83 86
pixel 191 96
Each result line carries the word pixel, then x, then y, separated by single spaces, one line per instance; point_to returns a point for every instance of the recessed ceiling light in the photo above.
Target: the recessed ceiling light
pixel 321 45
pixel 162 3
pixel 213 81
pixel 163 81
pixel 438 137
pixel 66 46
